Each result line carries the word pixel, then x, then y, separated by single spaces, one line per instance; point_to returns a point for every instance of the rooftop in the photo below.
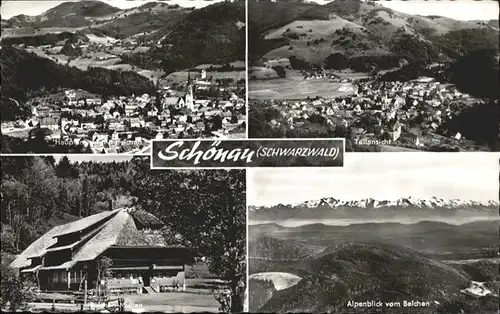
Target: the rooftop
pixel 116 228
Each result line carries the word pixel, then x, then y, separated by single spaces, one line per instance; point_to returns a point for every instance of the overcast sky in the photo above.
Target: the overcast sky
pixel 465 10
pixel 458 9
pixel 387 176
pixel 16 7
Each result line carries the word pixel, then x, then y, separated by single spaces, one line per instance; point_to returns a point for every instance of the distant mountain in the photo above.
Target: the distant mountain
pixel 448 241
pixel 268 248
pixel 152 18
pixel 66 14
pixel 370 203
pixel 454 25
pixel 403 208
pixel 269 228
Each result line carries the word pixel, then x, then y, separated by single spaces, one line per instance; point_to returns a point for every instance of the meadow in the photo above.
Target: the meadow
pixel 294 86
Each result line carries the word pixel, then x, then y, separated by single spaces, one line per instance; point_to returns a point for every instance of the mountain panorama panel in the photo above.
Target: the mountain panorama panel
pixel 110 76
pixel 393 233
pixel 388 76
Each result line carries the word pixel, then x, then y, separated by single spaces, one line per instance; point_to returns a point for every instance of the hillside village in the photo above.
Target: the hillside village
pixel 113 79
pixel 383 79
pixel 413 114
pixel 127 124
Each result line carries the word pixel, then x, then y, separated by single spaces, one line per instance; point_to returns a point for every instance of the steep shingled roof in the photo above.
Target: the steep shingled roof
pixel 40 246
pixel 118 228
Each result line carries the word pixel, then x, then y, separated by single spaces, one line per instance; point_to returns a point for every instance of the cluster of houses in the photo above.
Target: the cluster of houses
pixel 417 110
pixel 128 123
pixel 319 73
pixel 311 74
pixel 103 44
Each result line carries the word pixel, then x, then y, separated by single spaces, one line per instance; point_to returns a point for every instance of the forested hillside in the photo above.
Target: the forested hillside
pixel 38 194
pixel 214 34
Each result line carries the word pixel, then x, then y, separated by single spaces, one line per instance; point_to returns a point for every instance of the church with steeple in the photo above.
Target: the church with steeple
pixel 189 96
pixel 187 101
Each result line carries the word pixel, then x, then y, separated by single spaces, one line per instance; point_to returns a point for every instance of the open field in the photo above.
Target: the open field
pixel 17 132
pixel 316 28
pixel 122 50
pixel 84 64
pixel 174 302
pixel 153 75
pixel 389 148
pixel 81 63
pixel 294 86
pixel 181 76
pixel 235 64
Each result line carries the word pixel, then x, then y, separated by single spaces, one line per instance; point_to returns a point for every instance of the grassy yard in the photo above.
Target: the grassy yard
pixel 294 86
pixel 172 302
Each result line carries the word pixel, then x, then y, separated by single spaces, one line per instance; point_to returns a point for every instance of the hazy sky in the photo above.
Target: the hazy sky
pixel 388 176
pixel 12 8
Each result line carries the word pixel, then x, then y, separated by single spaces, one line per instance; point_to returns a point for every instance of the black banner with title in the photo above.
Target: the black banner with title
pixel 209 153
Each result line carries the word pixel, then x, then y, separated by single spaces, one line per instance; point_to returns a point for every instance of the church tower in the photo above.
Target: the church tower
pixel 189 98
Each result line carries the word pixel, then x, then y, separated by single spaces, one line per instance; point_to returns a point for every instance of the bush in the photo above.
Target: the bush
pixel 15 292
pixel 337 61
pixel 298 64
pixel 280 70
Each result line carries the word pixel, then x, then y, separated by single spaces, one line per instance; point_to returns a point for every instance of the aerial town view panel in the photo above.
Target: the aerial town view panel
pixel 385 75
pixel 110 76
